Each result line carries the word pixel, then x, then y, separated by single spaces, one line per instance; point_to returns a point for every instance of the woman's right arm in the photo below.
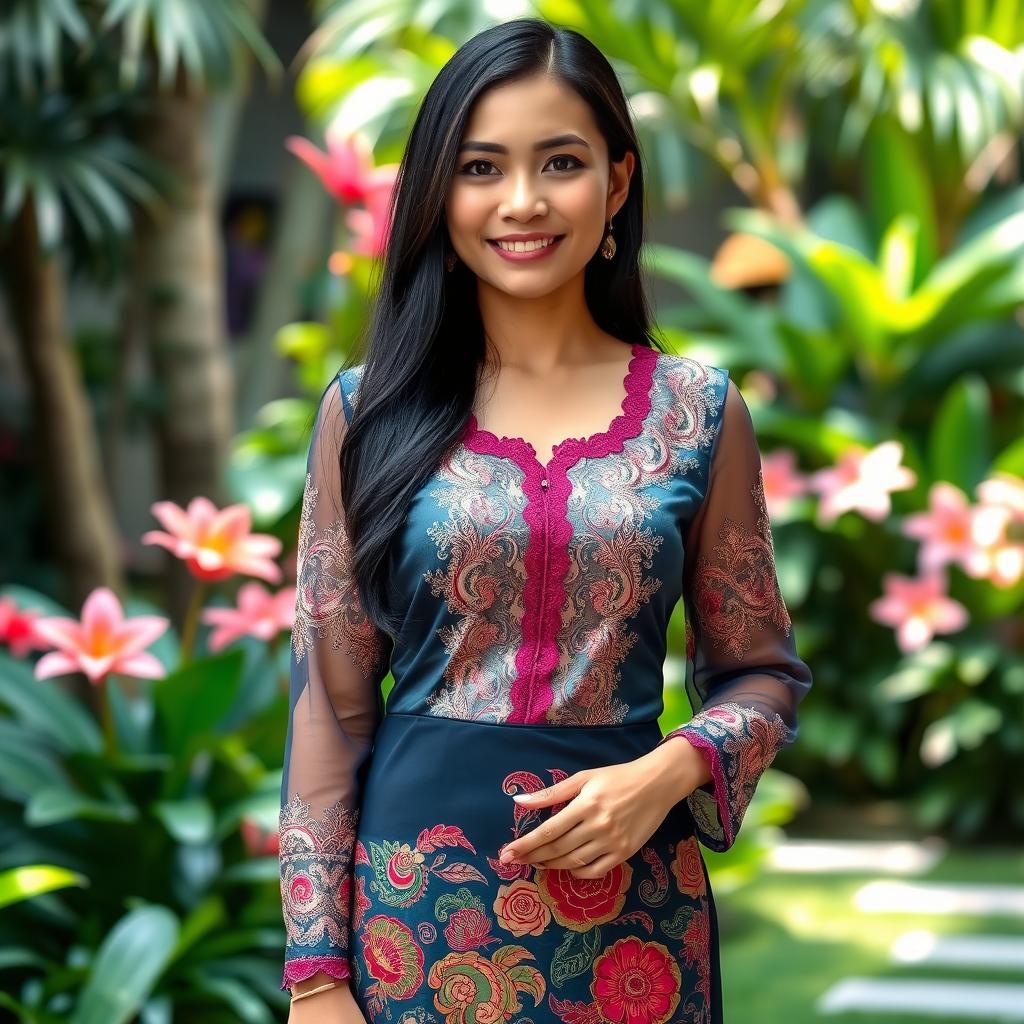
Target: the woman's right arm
pixel 338 662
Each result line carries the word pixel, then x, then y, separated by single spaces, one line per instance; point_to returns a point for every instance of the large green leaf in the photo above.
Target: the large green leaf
pixel 192 702
pixel 958 444
pixel 127 966
pixel 42 706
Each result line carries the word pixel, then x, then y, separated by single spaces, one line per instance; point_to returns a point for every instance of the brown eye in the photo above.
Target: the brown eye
pixel 566 156
pixel 473 163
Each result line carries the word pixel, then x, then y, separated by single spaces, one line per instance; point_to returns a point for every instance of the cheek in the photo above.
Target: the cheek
pixel 468 211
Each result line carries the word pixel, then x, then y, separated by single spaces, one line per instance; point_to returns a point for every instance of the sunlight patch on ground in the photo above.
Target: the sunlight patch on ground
pixel 980 1000
pixel 989 952
pixel 940 898
pixel 892 858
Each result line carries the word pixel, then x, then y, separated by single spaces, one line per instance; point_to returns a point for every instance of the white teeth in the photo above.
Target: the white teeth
pixel 537 243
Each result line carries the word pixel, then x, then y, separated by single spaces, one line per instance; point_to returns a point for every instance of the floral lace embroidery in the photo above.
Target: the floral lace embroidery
pixel 327 603
pixel 739 743
pixel 736 588
pixel 315 854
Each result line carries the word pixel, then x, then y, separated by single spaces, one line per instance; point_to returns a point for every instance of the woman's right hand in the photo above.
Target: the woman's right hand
pixel 332 1006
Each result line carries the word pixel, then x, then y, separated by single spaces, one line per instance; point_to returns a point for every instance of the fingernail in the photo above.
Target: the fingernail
pixel 522 796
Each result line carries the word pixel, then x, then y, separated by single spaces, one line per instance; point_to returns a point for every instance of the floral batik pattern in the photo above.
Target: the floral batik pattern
pixel 439 923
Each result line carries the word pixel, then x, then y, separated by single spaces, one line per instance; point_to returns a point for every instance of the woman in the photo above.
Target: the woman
pixel 526 488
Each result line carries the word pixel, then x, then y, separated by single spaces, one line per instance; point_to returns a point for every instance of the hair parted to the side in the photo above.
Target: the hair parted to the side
pixel 424 344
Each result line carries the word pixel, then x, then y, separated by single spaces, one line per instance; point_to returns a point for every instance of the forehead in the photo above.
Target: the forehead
pixel 519 112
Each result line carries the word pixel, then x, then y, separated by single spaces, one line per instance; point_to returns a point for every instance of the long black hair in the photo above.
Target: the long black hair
pixel 426 340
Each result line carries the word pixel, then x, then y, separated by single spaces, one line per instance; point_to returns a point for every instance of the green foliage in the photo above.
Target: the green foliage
pixel 128 868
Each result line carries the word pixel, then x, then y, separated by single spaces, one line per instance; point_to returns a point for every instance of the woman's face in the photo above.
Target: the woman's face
pixel 532 162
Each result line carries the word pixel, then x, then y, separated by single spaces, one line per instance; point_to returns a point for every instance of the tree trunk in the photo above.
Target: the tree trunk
pixel 84 537
pixel 181 287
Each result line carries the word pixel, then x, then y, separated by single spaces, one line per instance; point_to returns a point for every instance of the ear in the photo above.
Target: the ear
pixel 618 183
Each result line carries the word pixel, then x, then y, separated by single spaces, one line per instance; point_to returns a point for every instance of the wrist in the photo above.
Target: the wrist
pixel 680 766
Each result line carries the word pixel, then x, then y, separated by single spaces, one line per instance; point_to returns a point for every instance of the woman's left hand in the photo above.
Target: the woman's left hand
pixel 612 811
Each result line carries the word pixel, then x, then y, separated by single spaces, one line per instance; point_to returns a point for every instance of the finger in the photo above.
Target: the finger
pixel 599 868
pixel 560 847
pixel 546 832
pixel 581 856
pixel 563 790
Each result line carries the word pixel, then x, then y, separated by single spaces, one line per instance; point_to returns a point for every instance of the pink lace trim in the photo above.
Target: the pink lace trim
pixel 305 967
pixel 711 755
pixel 547 551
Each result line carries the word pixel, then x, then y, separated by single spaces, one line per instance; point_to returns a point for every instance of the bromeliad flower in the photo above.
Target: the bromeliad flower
pixel 259 614
pixel 862 480
pixel 103 642
pixel 917 609
pixel 215 543
pixel 346 170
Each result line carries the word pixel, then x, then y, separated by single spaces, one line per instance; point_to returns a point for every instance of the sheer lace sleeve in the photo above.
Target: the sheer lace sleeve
pixel 743 676
pixel 338 662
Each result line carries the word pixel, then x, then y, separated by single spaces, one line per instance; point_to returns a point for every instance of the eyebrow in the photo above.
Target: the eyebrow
pixel 558 140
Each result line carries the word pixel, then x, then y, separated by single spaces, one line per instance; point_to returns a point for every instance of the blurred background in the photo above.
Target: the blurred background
pixel 192 199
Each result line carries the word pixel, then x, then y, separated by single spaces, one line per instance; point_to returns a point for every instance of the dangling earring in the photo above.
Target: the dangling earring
pixel 449 261
pixel 608 245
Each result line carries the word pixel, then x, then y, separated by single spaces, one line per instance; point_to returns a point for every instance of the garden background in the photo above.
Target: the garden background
pixel 192 200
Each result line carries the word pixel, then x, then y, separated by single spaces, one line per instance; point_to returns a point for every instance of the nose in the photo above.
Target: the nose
pixel 525 198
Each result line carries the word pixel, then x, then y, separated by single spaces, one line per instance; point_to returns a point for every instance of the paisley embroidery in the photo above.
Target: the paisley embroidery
pixel 482 584
pixel 735 588
pixel 315 885
pixel 327 604
pixel 739 743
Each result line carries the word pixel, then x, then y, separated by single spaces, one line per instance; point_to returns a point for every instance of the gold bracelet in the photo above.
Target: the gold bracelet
pixel 313 991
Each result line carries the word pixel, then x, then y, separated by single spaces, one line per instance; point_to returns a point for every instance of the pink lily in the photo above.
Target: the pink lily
pixel 259 614
pixel 103 642
pixel 346 170
pixel 861 480
pixel 782 481
pixel 215 543
pixel 946 530
pixel 917 609
pixel 17 628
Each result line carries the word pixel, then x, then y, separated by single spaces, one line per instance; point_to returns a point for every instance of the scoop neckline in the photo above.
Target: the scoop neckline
pixel 626 424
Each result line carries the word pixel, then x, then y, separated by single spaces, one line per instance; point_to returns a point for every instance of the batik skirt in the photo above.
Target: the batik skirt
pixel 443 932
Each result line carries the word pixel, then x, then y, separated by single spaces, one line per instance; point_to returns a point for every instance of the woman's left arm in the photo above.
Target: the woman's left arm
pixel 744 679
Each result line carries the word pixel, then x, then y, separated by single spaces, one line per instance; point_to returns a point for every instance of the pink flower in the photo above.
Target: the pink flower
pixel 782 481
pixel 1006 490
pixel 259 613
pixel 917 609
pixel 17 628
pixel 346 170
pixel 861 480
pixel 946 530
pixel 215 543
pixel 103 642
pixel 371 227
pixel 995 557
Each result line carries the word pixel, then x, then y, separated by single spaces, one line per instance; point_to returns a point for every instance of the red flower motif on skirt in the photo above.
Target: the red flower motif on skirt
pixel 636 982
pixel 580 903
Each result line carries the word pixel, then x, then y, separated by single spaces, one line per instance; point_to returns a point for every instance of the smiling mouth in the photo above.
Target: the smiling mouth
pixel 532 246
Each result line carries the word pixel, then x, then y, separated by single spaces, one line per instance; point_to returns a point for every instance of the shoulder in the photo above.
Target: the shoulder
pixel 699 391
pixel 347 382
